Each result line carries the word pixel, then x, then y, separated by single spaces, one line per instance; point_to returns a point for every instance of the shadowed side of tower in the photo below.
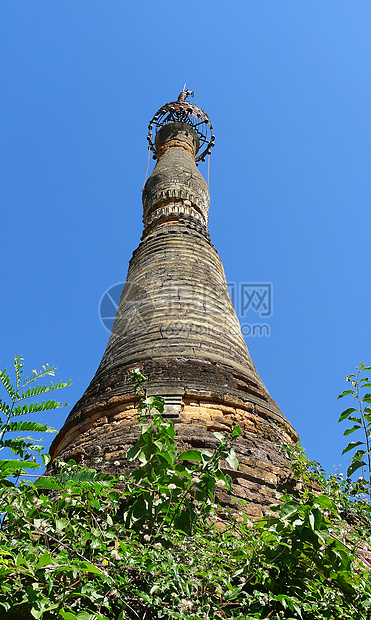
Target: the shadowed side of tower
pixel 176 323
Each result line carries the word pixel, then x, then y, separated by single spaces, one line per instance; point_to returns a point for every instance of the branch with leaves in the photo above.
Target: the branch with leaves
pixel 360 417
pixel 14 406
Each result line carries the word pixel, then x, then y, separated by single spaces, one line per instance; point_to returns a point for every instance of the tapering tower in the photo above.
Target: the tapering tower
pixel 176 322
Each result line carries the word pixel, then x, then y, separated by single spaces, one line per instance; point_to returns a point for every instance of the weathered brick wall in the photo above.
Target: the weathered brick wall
pixel 102 439
pixel 176 323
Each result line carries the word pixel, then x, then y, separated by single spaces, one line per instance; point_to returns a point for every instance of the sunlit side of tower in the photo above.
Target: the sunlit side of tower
pixel 176 323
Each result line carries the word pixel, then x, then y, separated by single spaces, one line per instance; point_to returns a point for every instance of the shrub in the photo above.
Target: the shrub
pixel 156 545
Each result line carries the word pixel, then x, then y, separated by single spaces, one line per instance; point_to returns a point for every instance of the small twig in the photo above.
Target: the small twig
pixel 359 556
pixel 104 597
pixel 38 529
pixel 35 476
pixel 131 609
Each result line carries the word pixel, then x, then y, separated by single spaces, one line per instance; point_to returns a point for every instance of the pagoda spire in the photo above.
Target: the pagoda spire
pixel 176 322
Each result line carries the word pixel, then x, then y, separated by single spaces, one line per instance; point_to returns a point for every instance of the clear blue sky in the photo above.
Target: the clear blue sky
pixel 287 87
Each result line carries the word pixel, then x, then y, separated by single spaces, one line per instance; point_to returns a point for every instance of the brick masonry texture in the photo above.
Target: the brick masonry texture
pixel 176 323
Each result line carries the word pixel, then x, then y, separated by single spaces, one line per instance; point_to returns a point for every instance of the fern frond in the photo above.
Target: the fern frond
pixel 4 407
pixel 14 465
pixel 41 389
pixel 84 479
pixel 18 367
pixel 5 380
pixel 45 370
pixel 47 483
pixel 26 426
pixel 87 479
pixel 19 445
pixel 45 405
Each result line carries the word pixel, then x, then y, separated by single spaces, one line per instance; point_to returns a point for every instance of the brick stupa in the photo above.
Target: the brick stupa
pixel 177 324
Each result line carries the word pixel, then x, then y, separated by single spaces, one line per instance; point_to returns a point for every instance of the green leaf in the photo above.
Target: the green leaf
pixel 353 418
pixel 4 407
pixel 134 452
pixel 311 520
pixel 26 426
pixel 324 502
pixel 190 455
pixel 155 402
pixel 352 445
pixel 44 560
pixel 20 446
pixel 46 458
pixel 47 483
pixel 236 432
pixel 43 605
pixel 345 393
pixel 18 367
pixel 232 460
pixel 60 524
pixel 354 466
pixel 182 521
pixel 45 405
pixel 289 508
pixel 5 380
pixel 67 615
pixel 366 398
pixel 358 455
pixel 88 478
pixel 90 568
pixel 46 370
pixel 96 503
pixel 12 465
pixel 346 413
pixel 351 430
pixel 41 389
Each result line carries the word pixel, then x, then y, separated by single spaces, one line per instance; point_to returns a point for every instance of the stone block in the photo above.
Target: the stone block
pixel 209 404
pixel 129 415
pixel 191 402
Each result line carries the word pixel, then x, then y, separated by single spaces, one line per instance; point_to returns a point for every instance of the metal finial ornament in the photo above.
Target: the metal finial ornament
pixel 185 112
pixel 185 94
